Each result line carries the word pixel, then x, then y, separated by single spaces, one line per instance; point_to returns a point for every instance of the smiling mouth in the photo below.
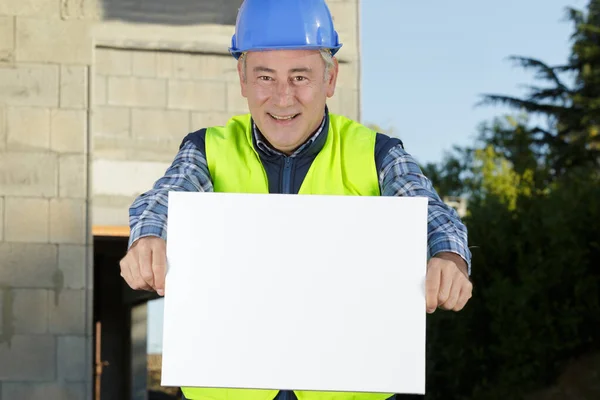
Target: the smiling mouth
pixel 283 117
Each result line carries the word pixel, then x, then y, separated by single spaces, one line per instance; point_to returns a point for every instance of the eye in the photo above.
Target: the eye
pixel 264 78
pixel 299 78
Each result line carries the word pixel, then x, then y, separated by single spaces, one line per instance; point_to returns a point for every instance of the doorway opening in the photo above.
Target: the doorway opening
pixel 125 366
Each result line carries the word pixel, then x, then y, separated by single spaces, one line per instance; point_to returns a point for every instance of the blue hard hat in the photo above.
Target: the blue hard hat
pixel 283 24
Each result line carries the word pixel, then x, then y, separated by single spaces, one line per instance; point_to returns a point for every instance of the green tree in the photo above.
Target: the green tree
pixel 570 137
pixel 451 177
pixel 533 226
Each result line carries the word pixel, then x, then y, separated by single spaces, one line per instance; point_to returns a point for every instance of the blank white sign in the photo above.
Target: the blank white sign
pixel 295 292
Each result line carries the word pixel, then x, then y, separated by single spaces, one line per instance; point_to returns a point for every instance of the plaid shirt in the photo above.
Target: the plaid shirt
pixel 399 176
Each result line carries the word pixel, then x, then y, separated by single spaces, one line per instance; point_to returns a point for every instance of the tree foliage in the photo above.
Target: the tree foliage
pixel 534 227
pixel 570 137
pixel 535 304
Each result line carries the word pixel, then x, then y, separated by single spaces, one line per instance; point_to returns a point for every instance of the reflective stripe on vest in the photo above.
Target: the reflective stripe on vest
pixel 344 166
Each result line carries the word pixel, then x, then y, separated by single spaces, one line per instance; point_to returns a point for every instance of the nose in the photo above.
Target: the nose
pixel 284 94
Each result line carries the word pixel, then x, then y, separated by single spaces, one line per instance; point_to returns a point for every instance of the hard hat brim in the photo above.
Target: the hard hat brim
pixel 236 53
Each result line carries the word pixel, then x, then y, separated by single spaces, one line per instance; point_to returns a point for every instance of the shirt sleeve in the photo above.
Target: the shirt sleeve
pixel 400 175
pixel 188 172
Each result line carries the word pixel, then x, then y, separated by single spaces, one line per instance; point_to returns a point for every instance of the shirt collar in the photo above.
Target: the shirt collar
pixel 312 145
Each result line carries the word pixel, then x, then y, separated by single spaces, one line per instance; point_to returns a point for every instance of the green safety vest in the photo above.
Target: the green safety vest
pixel 345 166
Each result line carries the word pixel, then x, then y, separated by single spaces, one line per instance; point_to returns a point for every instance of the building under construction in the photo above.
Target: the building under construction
pixel 95 98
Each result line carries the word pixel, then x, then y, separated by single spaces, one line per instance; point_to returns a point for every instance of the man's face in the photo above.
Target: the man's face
pixel 286 92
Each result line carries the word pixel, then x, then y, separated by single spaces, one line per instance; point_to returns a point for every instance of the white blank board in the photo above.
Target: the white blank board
pixel 295 292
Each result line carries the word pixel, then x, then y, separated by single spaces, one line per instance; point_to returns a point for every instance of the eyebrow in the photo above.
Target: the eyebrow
pixel 302 69
pixel 272 71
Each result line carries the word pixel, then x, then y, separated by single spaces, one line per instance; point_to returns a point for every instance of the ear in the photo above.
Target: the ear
pixel 243 80
pixel 332 79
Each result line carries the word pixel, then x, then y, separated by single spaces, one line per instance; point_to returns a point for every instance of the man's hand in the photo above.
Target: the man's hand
pixel 447 284
pixel 144 266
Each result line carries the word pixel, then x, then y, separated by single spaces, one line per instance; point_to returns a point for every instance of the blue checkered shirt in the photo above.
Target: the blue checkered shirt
pixel 399 175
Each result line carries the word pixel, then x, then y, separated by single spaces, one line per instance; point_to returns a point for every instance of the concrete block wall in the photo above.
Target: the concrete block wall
pixel 54 85
pixel 145 103
pixel 146 99
pixel 45 293
pixel 346 100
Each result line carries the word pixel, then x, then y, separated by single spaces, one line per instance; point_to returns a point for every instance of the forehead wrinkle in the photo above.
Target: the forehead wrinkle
pixel 261 68
pixel 301 69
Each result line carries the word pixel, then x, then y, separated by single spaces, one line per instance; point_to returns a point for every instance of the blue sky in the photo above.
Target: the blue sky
pixel 425 64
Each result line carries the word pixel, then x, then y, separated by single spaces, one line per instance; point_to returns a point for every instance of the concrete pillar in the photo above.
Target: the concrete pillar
pixel 45 274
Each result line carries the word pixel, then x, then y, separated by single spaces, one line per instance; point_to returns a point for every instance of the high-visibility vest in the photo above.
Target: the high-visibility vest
pixel 344 166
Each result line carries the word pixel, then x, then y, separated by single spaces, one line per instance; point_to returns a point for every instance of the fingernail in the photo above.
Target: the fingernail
pixel 160 292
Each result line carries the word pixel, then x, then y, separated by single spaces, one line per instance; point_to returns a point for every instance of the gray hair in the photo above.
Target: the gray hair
pixel 325 54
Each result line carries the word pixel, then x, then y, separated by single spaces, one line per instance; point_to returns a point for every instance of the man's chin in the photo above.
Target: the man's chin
pixel 284 145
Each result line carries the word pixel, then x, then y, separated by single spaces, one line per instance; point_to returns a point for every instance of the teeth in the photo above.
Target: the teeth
pixel 282 118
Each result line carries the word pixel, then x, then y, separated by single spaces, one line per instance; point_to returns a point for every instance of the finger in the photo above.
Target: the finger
pixel 138 282
pixel 432 285
pixel 447 278
pixel 454 293
pixel 145 265
pixel 465 294
pixel 159 266
pixel 128 269
pixel 125 271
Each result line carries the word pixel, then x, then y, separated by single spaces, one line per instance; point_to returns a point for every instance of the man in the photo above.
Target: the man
pixel 290 143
